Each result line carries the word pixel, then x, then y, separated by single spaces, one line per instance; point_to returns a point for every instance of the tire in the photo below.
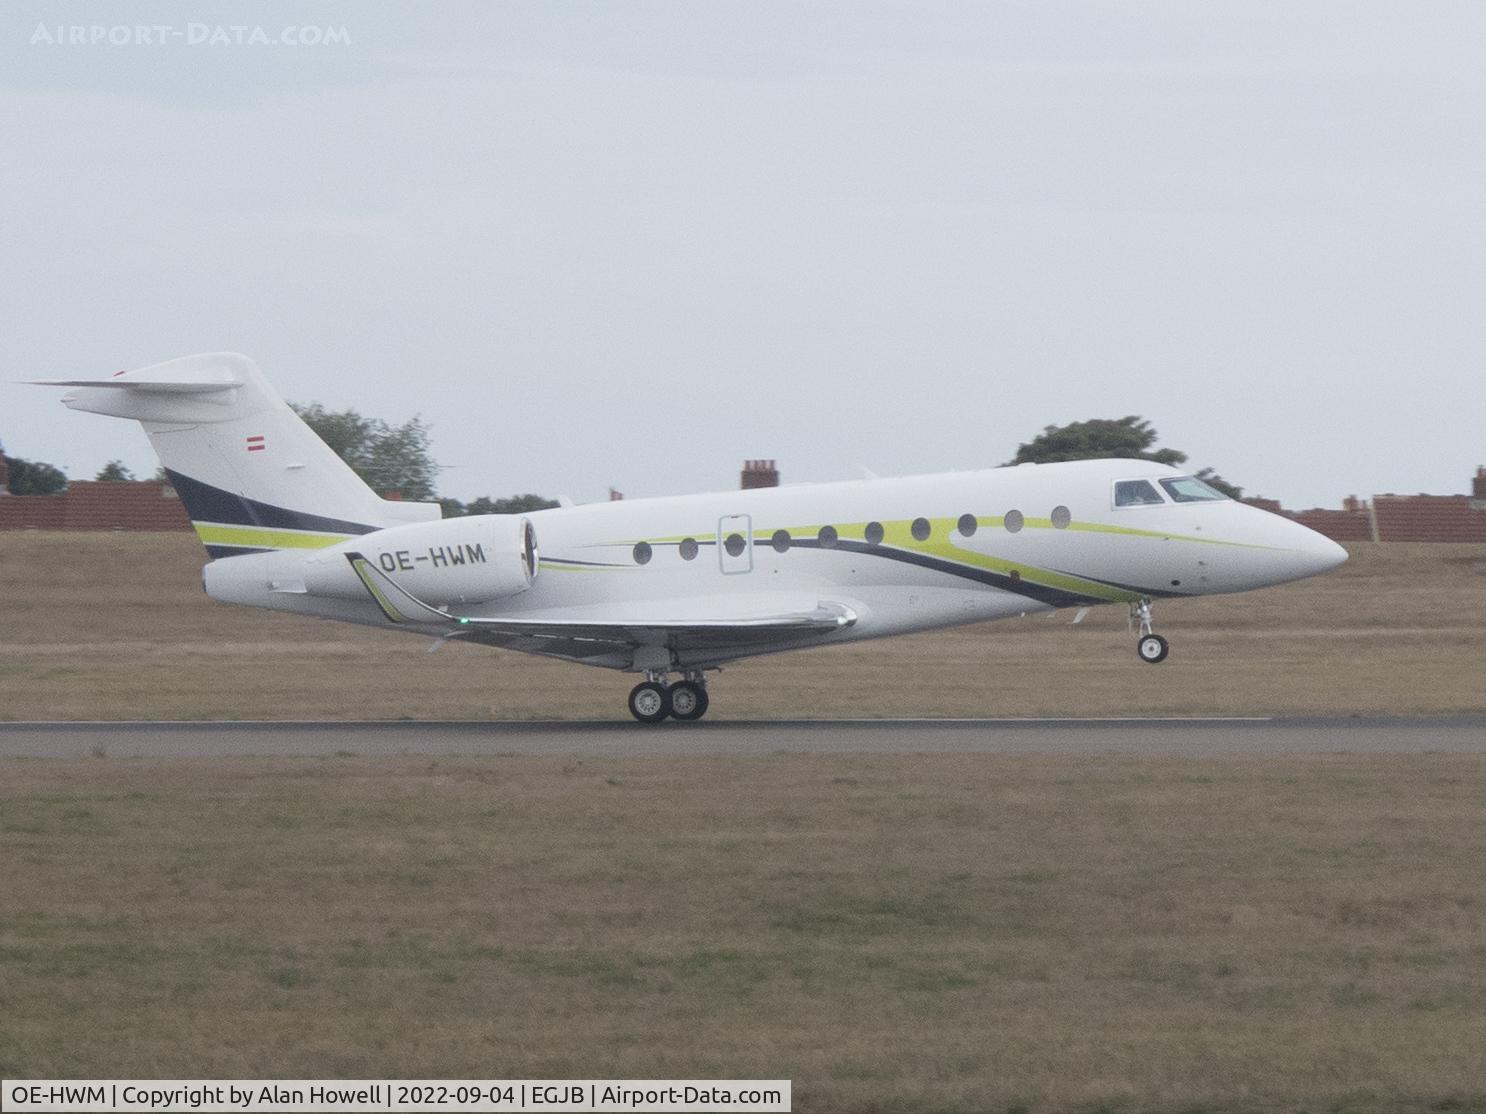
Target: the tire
pixel 1153 649
pixel 688 700
pixel 649 702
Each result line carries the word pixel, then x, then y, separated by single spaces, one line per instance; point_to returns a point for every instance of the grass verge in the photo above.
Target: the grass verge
pixel 115 626
pixel 942 932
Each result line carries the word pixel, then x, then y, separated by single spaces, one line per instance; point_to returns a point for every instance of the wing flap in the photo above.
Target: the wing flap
pixel 401 606
pixel 690 633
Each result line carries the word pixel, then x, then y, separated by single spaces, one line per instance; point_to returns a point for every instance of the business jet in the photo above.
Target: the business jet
pixel 673 588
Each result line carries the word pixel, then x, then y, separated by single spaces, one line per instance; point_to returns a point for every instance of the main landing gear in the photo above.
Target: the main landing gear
pixel 1151 647
pixel 656 698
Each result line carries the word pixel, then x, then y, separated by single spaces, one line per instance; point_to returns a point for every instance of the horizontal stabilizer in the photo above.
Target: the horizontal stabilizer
pixel 154 386
pixel 250 473
pixel 211 387
pixel 191 375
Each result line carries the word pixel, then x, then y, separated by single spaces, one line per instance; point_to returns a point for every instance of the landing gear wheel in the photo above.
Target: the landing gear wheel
pixel 649 702
pixel 688 700
pixel 1152 648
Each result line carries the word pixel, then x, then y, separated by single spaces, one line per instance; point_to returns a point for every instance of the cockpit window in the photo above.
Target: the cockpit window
pixel 1189 489
pixel 1136 493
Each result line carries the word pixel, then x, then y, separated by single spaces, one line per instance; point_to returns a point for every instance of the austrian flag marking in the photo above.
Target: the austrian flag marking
pixel 256 444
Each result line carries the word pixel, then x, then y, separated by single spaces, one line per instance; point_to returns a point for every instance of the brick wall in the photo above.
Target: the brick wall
pixel 32 512
pixel 95 505
pixel 1428 518
pixel 1339 526
pixel 151 505
pixel 1395 518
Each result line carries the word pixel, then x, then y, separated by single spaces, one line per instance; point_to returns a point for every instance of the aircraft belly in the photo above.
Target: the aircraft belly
pixel 900 610
pixel 612 655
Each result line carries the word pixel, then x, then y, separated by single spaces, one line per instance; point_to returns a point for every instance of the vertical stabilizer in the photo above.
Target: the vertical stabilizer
pixel 253 477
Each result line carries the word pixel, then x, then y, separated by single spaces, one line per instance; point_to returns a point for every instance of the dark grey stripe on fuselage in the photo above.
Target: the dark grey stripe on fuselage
pixel 1054 597
pixel 205 503
pixel 216 551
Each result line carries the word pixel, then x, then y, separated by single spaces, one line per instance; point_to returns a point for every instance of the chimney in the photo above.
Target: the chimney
pixel 615 496
pixel 1478 485
pixel 1351 504
pixel 759 473
pixel 4 475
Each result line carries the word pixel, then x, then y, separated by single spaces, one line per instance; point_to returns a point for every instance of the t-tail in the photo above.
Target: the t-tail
pixel 252 476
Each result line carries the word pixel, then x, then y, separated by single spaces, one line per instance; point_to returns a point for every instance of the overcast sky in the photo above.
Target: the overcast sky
pixel 633 244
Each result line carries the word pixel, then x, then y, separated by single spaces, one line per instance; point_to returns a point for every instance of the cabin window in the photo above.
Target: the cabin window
pixel 688 549
pixel 827 537
pixel 1136 493
pixel 920 529
pixel 780 541
pixel 734 545
pixel 873 533
pixel 1189 489
pixel 967 525
pixel 643 553
pixel 1013 521
pixel 1062 516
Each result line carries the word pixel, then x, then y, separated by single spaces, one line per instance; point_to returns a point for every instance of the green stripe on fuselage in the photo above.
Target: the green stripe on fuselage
pixel 259 537
pixel 898 535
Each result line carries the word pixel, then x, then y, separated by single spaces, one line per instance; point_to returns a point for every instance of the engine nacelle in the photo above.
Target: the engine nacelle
pixel 452 561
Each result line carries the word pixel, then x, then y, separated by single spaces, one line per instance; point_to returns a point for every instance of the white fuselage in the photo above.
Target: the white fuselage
pixel 908 554
pixel 680 585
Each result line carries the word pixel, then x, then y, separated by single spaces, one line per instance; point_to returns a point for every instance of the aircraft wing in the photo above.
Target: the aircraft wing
pixel 593 639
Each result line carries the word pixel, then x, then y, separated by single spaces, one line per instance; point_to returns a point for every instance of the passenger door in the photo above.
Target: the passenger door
pixel 735 543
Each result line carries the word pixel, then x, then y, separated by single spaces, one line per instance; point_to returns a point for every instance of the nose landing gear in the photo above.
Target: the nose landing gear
pixel 656 698
pixel 1151 647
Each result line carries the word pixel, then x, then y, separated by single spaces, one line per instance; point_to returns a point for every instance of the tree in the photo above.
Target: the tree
pixel 27 477
pixel 1212 479
pixel 1097 439
pixel 1130 437
pixel 388 457
pixel 515 504
pixel 115 472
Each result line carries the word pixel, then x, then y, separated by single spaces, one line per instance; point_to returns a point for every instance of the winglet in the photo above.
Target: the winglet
pixel 397 603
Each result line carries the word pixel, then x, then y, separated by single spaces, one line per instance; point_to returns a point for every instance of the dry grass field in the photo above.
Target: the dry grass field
pixel 957 933
pixel 936 933
pixel 115 626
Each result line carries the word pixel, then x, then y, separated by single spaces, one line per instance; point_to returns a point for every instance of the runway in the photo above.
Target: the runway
pixel 1193 737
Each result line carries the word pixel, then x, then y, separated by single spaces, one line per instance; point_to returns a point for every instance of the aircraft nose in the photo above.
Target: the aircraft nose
pixel 1316 552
